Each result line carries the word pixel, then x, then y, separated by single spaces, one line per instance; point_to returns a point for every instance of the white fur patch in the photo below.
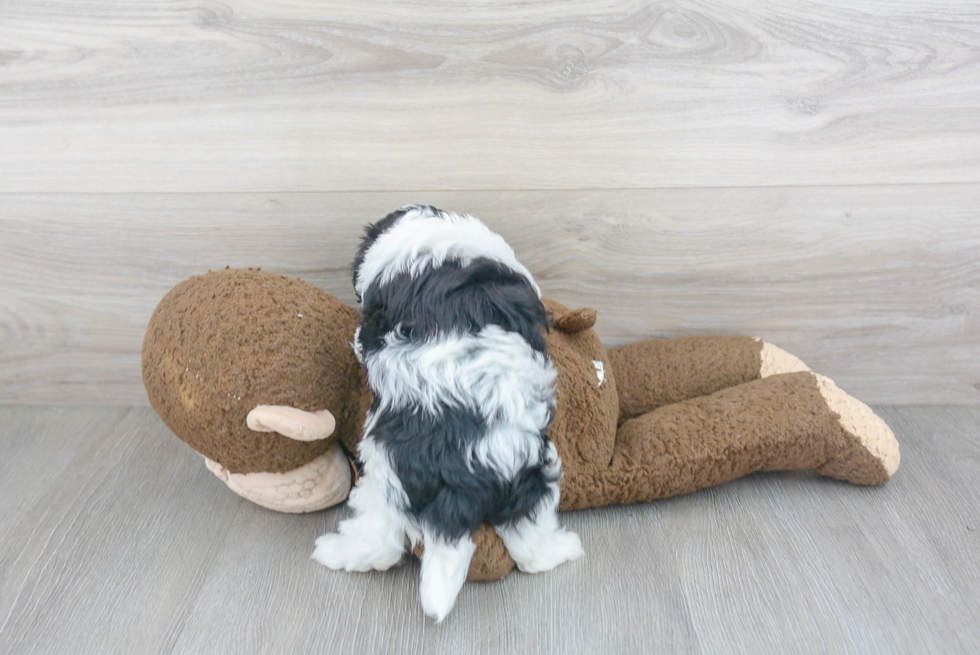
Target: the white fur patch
pixel 377 466
pixel 374 538
pixel 506 450
pixel 356 345
pixel 419 239
pixel 494 373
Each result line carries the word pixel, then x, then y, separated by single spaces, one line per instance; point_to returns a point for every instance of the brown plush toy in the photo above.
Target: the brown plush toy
pixel 255 371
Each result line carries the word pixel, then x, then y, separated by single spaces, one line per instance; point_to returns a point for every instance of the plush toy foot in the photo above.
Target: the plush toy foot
pixel 867 451
pixel 869 448
pixel 773 360
pixel 444 567
pixel 322 483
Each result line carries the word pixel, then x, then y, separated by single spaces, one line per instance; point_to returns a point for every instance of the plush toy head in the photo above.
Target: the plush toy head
pixel 222 343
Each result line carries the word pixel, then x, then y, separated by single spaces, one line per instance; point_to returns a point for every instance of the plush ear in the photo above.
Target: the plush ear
pixel 292 422
pixel 575 321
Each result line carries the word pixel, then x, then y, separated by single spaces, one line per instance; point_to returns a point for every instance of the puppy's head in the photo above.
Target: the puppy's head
pixel 417 238
pixel 375 230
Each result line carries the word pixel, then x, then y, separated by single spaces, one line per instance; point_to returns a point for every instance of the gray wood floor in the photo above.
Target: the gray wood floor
pixel 115 539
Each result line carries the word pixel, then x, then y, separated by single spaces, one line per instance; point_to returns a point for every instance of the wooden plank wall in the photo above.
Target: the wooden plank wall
pixel 806 172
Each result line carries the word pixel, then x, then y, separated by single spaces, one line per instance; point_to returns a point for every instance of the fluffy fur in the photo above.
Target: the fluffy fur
pixel 452 339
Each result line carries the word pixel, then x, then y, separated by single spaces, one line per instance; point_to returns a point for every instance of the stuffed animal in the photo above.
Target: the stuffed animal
pixel 255 371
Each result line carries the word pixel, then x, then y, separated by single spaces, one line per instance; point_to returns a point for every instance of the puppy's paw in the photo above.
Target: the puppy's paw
pixel 334 552
pixel 552 550
pixel 343 553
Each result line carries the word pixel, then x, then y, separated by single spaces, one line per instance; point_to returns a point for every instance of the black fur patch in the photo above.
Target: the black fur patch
pixel 447 494
pixel 453 299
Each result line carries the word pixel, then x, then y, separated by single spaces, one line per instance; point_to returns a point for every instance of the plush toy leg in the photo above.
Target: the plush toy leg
pixel 659 372
pixel 490 561
pixel 321 483
pixel 782 422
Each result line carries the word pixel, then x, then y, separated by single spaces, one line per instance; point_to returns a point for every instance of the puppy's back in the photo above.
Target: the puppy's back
pixel 452 338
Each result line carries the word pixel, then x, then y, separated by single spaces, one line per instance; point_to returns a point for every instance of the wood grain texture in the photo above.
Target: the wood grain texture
pixel 144 548
pixel 298 96
pixel 876 287
pixel 37 455
pixel 127 544
pixel 904 550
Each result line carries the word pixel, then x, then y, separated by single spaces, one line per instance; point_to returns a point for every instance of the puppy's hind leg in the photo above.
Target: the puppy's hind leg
pixel 444 568
pixel 374 538
pixel 537 543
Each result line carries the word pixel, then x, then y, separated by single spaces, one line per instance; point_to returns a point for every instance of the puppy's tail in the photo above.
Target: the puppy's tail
pixel 444 567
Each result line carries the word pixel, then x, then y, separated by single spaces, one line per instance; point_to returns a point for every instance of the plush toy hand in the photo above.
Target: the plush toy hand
pixel 319 484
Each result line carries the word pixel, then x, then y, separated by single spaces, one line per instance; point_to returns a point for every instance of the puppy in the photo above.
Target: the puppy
pixel 452 339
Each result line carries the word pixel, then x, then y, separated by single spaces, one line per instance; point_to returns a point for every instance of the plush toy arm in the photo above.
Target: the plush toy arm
pixel 321 483
pixel 650 374
pixel 782 422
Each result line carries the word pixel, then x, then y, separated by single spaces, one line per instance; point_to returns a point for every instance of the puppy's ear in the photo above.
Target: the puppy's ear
pixel 292 422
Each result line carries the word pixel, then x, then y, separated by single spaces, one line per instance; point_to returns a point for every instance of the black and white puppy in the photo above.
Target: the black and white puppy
pixel 452 339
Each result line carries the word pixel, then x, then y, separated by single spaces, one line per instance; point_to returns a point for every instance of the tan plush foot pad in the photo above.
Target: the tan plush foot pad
pixel 775 360
pixel 322 483
pixel 868 435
